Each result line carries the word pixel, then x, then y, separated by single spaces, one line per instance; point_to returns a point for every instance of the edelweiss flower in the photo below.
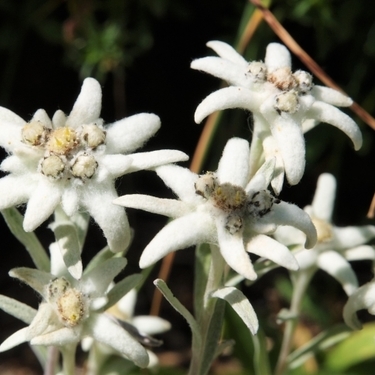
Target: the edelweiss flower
pixel 336 246
pixel 284 105
pixel 362 298
pixel 74 160
pixel 72 310
pixel 222 208
pixel 140 327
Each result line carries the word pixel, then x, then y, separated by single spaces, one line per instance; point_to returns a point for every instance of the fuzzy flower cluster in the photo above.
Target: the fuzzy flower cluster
pixel 284 105
pixel 74 160
pixel 73 309
pixel 336 246
pixel 224 208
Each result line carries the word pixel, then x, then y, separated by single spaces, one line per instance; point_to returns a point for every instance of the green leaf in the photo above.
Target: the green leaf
pixel 177 305
pixel 212 337
pixel 17 309
pixel 321 342
pixel 37 253
pixel 240 305
pixel 121 288
pixel 202 267
pixel 358 347
pixel 67 237
pixel 99 258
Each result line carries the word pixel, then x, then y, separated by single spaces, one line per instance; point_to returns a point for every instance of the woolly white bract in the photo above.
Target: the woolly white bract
pixel 223 208
pixel 284 105
pixel 335 246
pixel 73 161
pixel 72 310
pixel 362 298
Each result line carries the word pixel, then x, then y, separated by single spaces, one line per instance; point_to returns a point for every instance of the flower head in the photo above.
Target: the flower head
pixel 72 309
pixel 73 161
pixel 140 327
pixel 362 298
pixel 335 246
pixel 225 209
pixel 284 105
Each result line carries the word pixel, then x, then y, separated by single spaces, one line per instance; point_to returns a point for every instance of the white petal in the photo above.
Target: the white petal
pixel 88 105
pixel 128 134
pixel 70 200
pixel 234 163
pixel 95 282
pixel 15 339
pixel 10 136
pixel 289 214
pixel 227 52
pixel 107 332
pixel 307 258
pixel 228 97
pixel 331 96
pixel 181 181
pixel 290 143
pixel 59 119
pixel 17 309
pixel 167 207
pixel 268 248
pixel 15 190
pixel 60 337
pixel 364 252
pixel 324 198
pixel 41 116
pixel 347 237
pixel 277 56
pixel 180 233
pixel 20 166
pixel 289 236
pixel 332 115
pixel 337 266
pixel 36 279
pixel 42 203
pixel 111 218
pixel 151 325
pixel 263 177
pixel 45 320
pixel 127 304
pixel 153 159
pixel 70 248
pixel 10 117
pixel 223 69
pixel 233 251
pixel 363 298
pixel 113 166
pixel 309 124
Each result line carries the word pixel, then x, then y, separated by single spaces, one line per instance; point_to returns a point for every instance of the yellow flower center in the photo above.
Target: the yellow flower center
pixel 62 141
pixel 323 229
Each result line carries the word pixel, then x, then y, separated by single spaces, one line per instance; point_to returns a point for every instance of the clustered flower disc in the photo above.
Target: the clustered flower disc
pixel 74 160
pixel 222 208
pixel 284 105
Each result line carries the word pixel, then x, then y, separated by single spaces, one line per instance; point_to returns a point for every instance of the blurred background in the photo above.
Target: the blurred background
pixel 140 51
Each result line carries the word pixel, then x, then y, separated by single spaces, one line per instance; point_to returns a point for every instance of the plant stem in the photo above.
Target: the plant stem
pixel 68 359
pixel 211 316
pixel 300 282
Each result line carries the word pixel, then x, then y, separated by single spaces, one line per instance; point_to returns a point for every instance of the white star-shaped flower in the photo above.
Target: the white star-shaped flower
pixel 142 327
pixel 225 209
pixel 72 310
pixel 284 105
pixel 336 246
pixel 73 161
pixel 362 298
